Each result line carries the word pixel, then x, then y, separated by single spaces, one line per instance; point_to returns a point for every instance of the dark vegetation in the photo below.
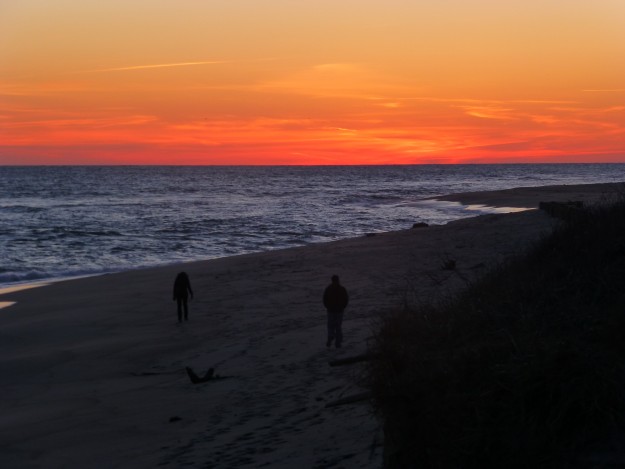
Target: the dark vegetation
pixel 524 369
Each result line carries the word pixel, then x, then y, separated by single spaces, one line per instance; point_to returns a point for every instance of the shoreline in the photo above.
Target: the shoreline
pixel 498 201
pixel 95 367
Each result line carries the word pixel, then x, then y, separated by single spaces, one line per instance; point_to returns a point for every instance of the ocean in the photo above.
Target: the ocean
pixel 58 222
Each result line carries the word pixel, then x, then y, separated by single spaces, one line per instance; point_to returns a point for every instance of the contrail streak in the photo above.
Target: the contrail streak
pixel 143 67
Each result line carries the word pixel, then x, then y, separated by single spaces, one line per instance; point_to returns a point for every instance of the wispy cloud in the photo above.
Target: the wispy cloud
pixel 175 64
pixel 144 67
pixel 333 80
pixel 488 112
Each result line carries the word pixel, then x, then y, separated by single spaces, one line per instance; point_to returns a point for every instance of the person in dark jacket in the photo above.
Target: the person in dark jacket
pixel 182 288
pixel 335 300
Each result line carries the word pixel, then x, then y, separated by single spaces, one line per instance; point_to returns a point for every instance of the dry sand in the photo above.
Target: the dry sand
pixel 92 370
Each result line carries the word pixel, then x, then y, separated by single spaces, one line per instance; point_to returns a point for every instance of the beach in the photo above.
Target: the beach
pixel 93 369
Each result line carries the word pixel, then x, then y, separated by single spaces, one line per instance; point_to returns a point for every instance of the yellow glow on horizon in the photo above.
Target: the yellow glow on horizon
pixel 283 82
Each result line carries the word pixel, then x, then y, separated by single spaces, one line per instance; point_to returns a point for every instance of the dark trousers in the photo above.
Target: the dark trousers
pixel 335 331
pixel 182 304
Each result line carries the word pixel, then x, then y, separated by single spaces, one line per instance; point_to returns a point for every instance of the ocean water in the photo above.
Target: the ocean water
pixel 64 221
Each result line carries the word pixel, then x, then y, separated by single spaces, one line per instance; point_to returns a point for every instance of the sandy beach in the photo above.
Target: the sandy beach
pixel 93 369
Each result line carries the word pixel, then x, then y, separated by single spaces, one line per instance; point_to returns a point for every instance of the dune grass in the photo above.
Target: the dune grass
pixel 524 369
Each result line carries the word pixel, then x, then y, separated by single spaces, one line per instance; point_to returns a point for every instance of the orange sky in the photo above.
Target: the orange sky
pixel 311 81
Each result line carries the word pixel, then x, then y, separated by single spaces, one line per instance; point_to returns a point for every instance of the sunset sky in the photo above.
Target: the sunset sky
pixel 311 81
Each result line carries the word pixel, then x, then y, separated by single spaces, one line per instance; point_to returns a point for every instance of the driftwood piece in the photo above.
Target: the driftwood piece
pixel 195 379
pixel 355 359
pixel 363 396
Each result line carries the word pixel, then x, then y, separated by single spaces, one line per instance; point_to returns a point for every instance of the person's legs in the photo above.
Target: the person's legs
pixel 331 329
pixel 338 324
pixel 179 301
pixel 186 309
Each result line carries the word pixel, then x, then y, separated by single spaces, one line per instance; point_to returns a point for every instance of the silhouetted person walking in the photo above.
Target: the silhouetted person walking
pixel 335 300
pixel 182 288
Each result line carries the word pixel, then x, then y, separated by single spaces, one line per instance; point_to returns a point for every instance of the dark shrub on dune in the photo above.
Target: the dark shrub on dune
pixel 524 369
